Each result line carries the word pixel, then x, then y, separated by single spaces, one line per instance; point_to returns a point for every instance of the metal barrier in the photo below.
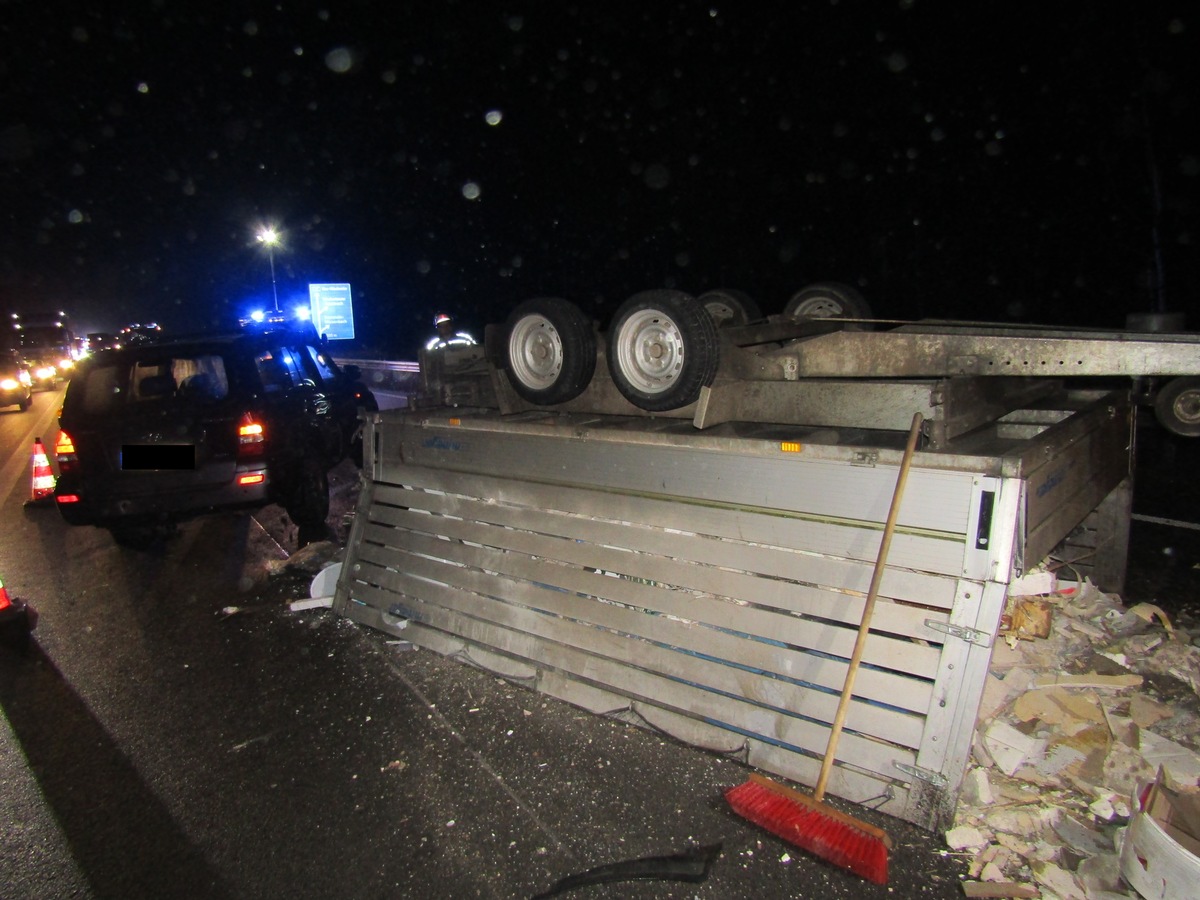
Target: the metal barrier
pixel 400 379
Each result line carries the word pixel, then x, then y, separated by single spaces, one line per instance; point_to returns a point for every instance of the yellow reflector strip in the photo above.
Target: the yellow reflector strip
pixel 791 446
pixel 456 421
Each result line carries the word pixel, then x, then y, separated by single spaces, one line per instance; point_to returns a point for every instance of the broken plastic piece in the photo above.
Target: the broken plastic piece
pixel 313 603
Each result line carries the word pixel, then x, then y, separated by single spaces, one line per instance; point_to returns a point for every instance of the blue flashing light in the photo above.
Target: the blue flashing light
pixel 303 313
pixel 258 315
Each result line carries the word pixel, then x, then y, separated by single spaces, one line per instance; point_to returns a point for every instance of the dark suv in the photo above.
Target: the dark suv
pixel 157 433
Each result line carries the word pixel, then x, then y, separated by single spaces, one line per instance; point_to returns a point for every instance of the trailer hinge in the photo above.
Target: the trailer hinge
pixel 930 777
pixel 865 458
pixel 970 635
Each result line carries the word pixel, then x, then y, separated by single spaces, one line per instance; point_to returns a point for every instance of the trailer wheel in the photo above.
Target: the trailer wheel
pixel 550 351
pixel 827 300
pixel 729 307
pixel 662 349
pixel 1177 406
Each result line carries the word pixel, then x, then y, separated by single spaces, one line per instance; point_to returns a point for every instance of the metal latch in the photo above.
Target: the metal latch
pixel 936 779
pixel 865 458
pixel 970 635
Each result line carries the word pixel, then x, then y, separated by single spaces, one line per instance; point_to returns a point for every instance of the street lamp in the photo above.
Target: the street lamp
pixel 270 237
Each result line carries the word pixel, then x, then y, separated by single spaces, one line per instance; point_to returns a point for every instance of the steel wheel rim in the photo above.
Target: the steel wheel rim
pixel 650 351
pixel 721 311
pixel 1187 407
pixel 820 308
pixel 535 352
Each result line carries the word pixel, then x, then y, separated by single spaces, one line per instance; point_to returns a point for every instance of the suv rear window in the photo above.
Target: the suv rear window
pixel 197 378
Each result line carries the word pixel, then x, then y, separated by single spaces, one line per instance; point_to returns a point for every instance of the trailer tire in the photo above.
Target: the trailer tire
pixel 1177 406
pixel 827 300
pixel 662 349
pixel 549 351
pixel 729 307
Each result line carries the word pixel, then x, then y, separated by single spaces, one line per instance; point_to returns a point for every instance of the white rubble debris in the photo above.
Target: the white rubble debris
pixel 1069 724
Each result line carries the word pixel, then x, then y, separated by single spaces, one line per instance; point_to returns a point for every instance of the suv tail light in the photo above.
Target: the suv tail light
pixel 252 437
pixel 64 449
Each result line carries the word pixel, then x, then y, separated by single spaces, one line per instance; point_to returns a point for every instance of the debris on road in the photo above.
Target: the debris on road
pixel 1073 729
pixel 226 611
pixel 311 603
pixel 311 558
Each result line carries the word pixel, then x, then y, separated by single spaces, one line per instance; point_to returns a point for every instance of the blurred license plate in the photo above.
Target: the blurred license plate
pixel 158 456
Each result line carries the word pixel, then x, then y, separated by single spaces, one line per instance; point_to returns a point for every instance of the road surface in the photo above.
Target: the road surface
pixel 152 746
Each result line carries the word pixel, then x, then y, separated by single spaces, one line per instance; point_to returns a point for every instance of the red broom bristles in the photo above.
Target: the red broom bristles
pixel 829 834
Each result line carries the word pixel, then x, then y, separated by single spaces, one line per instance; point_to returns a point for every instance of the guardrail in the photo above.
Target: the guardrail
pixel 399 379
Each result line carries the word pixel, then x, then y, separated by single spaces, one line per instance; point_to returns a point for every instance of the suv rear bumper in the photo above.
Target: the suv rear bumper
pixel 94 505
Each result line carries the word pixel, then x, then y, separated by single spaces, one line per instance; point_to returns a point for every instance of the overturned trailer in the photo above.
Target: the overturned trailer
pixel 703 569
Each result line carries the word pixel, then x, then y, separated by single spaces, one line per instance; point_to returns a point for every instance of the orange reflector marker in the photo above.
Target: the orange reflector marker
pixel 245 480
pixel 455 421
pixel 67 498
pixel 791 446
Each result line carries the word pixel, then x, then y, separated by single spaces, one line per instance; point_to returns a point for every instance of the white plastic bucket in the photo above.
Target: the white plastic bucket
pixel 1153 862
pixel 325 582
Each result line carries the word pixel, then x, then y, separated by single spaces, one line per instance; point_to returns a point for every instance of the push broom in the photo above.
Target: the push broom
pixel 806 821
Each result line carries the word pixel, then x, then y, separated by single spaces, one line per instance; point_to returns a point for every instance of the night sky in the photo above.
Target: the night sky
pixel 1005 161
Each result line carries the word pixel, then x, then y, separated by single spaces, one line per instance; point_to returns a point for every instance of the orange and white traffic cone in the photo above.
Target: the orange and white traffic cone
pixel 17 619
pixel 43 476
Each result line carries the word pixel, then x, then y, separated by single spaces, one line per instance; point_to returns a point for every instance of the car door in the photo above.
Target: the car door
pixel 299 401
pixel 320 377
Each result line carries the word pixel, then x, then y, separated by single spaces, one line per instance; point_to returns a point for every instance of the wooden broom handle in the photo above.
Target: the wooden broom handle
pixel 864 627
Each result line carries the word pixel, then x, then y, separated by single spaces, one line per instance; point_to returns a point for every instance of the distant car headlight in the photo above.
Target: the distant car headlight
pixel 44 372
pixel 66 363
pixel 9 384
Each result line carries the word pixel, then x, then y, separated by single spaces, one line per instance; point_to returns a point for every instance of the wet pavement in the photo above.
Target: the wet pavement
pixel 163 749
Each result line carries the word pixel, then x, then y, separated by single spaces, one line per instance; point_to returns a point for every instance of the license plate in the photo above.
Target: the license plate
pixel 158 456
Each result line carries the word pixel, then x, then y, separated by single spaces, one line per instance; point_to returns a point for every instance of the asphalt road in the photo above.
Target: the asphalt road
pixel 151 746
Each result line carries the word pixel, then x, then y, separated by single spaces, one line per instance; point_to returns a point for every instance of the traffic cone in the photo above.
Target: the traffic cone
pixel 43 476
pixel 18 621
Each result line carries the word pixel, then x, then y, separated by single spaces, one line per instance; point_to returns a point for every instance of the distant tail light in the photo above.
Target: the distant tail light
pixel 64 449
pixel 252 437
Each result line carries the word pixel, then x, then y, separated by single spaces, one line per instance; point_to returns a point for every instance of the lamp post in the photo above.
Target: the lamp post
pixel 270 237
